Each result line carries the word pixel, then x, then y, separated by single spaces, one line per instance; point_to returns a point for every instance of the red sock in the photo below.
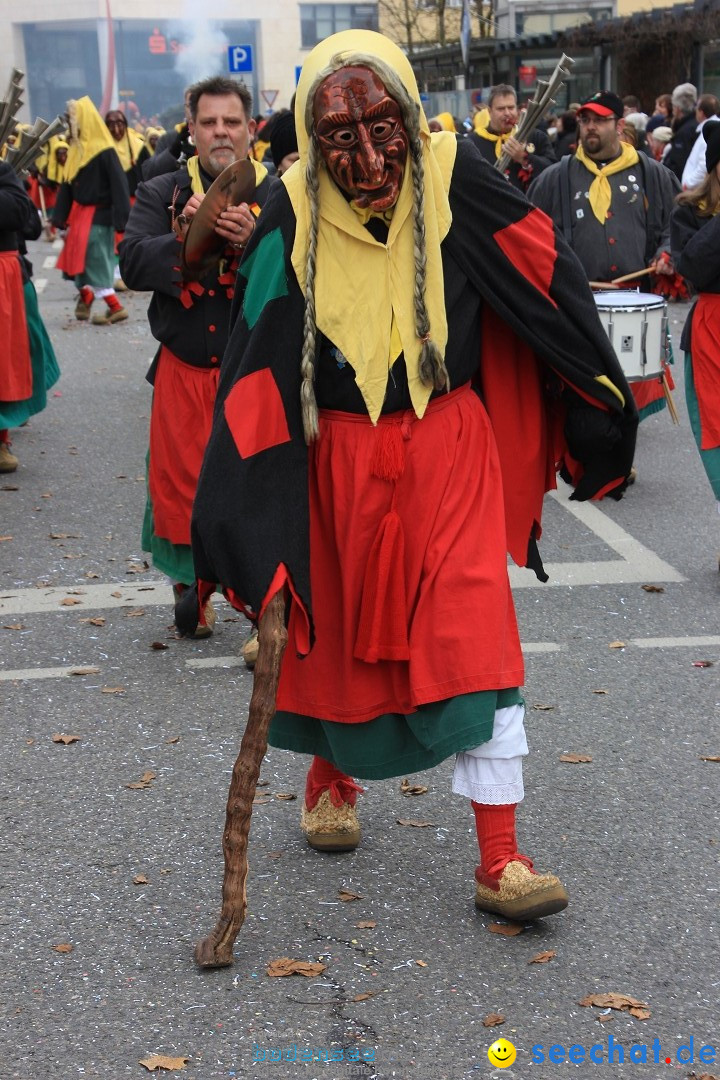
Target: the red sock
pixel 323 776
pixel 87 295
pixel 113 303
pixel 4 436
pixel 496 837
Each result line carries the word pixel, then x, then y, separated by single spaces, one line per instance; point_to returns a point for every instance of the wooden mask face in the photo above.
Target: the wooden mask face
pixel 362 136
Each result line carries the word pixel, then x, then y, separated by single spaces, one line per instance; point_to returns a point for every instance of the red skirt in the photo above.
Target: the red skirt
pixel 706 367
pixel 74 253
pixel 180 424
pixel 15 367
pixel 411 598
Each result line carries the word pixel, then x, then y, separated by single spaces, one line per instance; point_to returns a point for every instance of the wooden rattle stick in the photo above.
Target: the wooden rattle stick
pixel 669 398
pixel 216 950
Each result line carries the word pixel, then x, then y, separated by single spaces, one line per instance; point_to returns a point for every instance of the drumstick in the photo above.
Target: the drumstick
pixel 602 285
pixel 669 398
pixel 635 274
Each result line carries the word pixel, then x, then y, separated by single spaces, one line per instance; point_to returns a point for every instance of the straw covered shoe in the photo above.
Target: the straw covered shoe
pixel 330 828
pixel 519 893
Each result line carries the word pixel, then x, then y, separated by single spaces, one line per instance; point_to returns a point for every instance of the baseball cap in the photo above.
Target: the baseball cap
pixel 603 103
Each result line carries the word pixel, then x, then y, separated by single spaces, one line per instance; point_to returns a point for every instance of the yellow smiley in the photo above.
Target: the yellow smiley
pixel 502 1054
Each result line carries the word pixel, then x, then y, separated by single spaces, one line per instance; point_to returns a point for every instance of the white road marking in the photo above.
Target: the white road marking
pixel 215 662
pixel 637 563
pixel 89 598
pixel 41 673
pixel 40 284
pixel 49 262
pixel 57 244
pixel 674 642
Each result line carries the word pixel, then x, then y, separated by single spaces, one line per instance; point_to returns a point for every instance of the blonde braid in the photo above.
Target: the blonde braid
pixel 307 363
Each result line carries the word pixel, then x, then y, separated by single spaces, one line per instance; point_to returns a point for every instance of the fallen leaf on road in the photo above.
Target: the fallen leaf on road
pixel 714 757
pixel 161 1061
pixel 616 645
pixel 262 783
pixel 3 538
pixel 64 536
pixel 14 626
pixel 412 789
pixel 543 708
pixel 366 924
pixel 117 595
pixel 703 663
pixel 604 1018
pixel 493 1019
pixel 137 568
pixel 135 613
pixel 63 948
pixel 575 759
pixel 173 739
pixel 364 997
pixel 159 646
pixel 91 574
pixel 113 690
pixel 261 800
pixel 68 601
pixel 415 824
pixel 285 796
pixel 66 739
pixel 543 957
pixel 653 588
pixel 97 620
pixel 346 895
pixel 275 854
pixel 421 963
pixel 285 966
pixel 620 1002
pixel 145 780
pixel 140 879
pixel 84 671
pixel 511 929
pixel 600 691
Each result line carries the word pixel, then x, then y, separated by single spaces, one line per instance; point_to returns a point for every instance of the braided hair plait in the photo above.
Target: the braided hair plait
pixel 433 371
pixel 307 363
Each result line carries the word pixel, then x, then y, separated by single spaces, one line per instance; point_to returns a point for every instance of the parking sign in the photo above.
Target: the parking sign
pixel 240 59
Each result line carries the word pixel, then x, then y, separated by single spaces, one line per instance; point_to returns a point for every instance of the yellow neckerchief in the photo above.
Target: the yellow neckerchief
pixel 702 209
pixel 196 181
pixel 149 132
pixel 481 119
pixel 128 148
pixel 499 140
pixel 600 191
pixel 259 149
pixel 89 136
pixel 363 287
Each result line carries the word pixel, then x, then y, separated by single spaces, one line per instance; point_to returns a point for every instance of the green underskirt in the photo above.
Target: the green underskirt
pixel 394 744
pixel 175 560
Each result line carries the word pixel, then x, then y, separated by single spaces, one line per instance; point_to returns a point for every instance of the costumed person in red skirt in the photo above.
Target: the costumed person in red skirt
pixel 94 204
pixel 190 319
pixel 413 354
pixel 695 233
pixel 28 367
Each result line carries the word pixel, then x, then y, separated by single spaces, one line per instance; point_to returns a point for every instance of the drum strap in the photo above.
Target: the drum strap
pixel 565 197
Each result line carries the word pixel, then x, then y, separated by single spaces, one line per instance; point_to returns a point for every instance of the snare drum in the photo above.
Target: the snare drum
pixel 636 324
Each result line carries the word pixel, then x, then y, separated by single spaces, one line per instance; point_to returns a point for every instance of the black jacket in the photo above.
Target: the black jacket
pixel 102 184
pixel 539 157
pixel 696 254
pixel 684 135
pixel 192 323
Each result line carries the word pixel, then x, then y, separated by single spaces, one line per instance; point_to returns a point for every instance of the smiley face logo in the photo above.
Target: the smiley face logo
pixel 502 1054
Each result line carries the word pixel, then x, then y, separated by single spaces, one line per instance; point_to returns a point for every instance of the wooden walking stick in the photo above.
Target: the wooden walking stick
pixel 216 950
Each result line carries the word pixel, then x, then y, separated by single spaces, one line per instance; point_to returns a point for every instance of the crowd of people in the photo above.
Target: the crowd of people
pixel 363 400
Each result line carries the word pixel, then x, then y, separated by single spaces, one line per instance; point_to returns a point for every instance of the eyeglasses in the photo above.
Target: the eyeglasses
pixel 595 119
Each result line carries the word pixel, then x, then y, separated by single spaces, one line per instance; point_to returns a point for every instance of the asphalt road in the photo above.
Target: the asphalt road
pixel 130 877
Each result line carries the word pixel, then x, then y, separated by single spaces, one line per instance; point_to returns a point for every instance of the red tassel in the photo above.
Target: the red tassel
pixel 382 629
pixel 388 460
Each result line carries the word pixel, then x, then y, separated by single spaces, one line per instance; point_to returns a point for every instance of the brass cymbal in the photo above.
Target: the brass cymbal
pixel 202 247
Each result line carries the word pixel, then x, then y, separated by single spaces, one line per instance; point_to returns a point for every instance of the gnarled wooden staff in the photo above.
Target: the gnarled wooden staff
pixel 216 950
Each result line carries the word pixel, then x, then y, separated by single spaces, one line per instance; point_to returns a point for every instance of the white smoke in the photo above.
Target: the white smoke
pixel 204 48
